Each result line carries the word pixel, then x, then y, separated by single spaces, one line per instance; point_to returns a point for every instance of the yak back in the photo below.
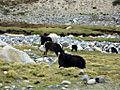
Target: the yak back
pixel 53 47
pixel 68 60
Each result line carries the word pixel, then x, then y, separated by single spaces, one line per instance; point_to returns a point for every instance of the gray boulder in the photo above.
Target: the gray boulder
pixel 10 54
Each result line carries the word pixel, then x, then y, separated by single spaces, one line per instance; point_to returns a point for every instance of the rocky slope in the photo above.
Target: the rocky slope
pixel 93 12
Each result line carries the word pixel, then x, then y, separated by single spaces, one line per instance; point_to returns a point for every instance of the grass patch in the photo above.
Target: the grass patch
pixel 97 64
pixel 58 29
pixel 98 39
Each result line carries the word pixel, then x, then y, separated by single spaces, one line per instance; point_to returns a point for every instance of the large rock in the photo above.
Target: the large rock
pixel 10 54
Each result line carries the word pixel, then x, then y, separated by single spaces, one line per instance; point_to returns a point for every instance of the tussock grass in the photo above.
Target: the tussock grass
pixel 98 63
pixel 107 65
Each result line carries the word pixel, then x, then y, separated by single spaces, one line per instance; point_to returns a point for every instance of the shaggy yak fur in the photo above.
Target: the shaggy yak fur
pixel 67 60
pixel 114 50
pixel 74 47
pixel 53 47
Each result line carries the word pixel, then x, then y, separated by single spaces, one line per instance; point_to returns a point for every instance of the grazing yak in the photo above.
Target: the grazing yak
pixel 44 39
pixel 53 47
pixel 74 47
pixel 68 60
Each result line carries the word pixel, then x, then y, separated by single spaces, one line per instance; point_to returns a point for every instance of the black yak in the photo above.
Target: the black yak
pixel 53 47
pixel 74 47
pixel 114 50
pixel 68 60
pixel 44 39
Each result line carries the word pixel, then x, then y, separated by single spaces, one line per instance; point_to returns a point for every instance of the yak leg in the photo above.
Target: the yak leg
pixel 56 52
pixel 76 49
pixel 72 49
pixel 45 53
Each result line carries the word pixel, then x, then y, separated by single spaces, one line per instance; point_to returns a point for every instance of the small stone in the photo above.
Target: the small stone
pixel 42 48
pixel 29 50
pixel 81 72
pixel 26 81
pixel 100 79
pixel 53 86
pixel 61 68
pixel 13 87
pixel 30 87
pixel 71 36
pixel 7 87
pixel 91 81
pixel 5 72
pixel 58 85
pixel 64 88
pixel 85 77
pixel 65 82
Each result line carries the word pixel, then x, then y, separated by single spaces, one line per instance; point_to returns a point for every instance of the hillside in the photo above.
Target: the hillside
pixel 91 12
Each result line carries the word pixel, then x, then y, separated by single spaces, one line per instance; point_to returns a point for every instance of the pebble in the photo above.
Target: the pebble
pixel 91 81
pixel 53 86
pixel 65 82
pixel 100 79
pixel 26 81
pixel 81 72
pixel 63 88
pixel 13 87
pixel 30 87
pixel 66 86
pixel 85 77
pixel 5 72
pixel 7 87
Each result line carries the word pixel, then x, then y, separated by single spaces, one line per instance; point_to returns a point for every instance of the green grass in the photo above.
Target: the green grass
pixel 86 30
pixel 98 39
pixel 98 63
pixel 58 29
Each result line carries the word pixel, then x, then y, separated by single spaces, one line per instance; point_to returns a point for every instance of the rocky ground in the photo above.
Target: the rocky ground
pixel 67 41
pixel 45 74
pixel 84 12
